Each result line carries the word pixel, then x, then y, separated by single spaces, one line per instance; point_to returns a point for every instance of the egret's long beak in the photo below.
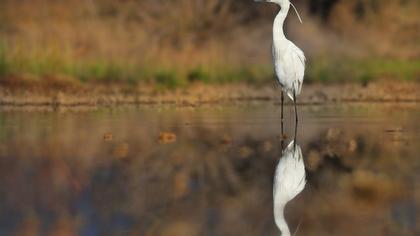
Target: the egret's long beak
pixel 297 13
pixel 294 8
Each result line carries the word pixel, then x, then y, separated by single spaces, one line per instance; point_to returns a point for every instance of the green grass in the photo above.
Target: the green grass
pixel 319 70
pixel 3 60
pixel 363 71
pixel 168 79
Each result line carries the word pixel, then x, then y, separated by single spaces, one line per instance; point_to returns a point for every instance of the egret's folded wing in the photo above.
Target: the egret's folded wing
pixel 296 61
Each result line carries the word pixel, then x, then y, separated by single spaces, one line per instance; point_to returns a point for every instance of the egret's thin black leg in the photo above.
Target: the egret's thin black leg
pixel 282 136
pixel 282 125
pixel 282 102
pixel 296 130
pixel 296 113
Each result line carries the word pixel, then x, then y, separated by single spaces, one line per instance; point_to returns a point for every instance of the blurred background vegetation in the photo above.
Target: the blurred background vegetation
pixel 173 43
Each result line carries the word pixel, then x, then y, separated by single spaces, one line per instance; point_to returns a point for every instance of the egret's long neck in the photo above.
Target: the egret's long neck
pixel 278 33
pixel 280 220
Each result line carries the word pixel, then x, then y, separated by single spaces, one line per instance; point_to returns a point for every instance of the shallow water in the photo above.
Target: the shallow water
pixel 208 171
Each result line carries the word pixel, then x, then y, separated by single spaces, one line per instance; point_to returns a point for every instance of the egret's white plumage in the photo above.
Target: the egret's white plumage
pixel 289 181
pixel 289 60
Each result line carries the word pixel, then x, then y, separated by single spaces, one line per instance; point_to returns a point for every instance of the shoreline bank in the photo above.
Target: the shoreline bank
pixel 196 95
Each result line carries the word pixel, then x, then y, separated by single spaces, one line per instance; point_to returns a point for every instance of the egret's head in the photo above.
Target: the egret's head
pixel 283 4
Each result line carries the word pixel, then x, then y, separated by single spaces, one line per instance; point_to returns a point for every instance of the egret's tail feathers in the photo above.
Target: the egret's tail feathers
pixel 290 145
pixel 290 94
pixel 296 88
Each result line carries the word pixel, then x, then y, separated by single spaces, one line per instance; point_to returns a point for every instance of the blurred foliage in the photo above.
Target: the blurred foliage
pixel 3 62
pixel 364 70
pixel 173 43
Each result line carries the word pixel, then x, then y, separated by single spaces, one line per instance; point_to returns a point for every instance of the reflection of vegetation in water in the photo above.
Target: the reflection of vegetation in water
pixel 107 171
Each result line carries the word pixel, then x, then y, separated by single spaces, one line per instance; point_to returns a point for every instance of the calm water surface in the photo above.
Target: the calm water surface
pixel 208 171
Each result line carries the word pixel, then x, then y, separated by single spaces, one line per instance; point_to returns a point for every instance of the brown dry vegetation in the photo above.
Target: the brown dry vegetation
pixel 177 42
pixel 370 28
pixel 92 97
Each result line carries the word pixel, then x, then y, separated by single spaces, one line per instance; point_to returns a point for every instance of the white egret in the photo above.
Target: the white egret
pixel 289 181
pixel 289 60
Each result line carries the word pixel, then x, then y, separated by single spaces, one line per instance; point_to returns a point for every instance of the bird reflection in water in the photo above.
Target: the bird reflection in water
pixel 289 181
